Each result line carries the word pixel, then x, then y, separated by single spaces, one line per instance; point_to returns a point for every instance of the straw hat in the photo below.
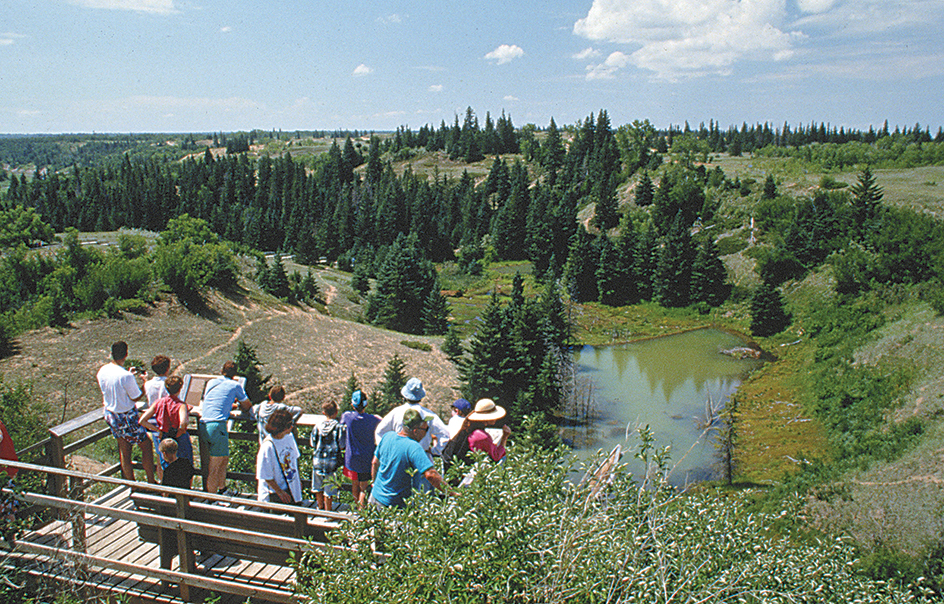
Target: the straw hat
pixel 486 409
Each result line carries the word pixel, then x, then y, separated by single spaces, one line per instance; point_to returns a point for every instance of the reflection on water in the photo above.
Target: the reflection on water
pixel 666 383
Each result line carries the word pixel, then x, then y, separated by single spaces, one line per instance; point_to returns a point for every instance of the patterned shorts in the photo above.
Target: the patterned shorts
pixel 125 426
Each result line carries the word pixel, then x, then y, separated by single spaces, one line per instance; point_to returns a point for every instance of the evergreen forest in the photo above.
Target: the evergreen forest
pixel 685 226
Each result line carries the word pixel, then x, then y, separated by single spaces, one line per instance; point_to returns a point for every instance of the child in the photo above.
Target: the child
pixel 359 446
pixel 263 410
pixel 277 462
pixel 327 440
pixel 179 471
pixel 171 416
pixel 154 388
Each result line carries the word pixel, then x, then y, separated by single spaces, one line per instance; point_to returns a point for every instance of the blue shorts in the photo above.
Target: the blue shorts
pixel 321 484
pixel 216 437
pixel 125 426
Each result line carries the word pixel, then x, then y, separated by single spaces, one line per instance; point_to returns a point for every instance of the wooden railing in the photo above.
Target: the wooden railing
pixel 186 504
pixel 54 450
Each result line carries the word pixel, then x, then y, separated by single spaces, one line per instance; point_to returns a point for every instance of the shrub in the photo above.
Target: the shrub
pixel 524 532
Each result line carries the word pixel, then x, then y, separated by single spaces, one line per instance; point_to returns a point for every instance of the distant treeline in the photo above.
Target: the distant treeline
pixel 349 205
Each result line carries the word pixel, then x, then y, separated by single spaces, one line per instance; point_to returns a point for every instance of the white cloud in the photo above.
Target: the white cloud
pixel 683 38
pixel 9 38
pixel 510 98
pixel 608 68
pixel 505 53
pixel 436 88
pixel 362 70
pixel 849 18
pixel 815 6
pixel 160 7
pixel 586 53
pixel 394 18
pixel 226 29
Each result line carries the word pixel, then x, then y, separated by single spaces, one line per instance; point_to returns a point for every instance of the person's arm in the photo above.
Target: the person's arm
pixel 506 432
pixel 374 464
pixel 440 431
pixel 284 495
pixel 184 419
pixel 145 419
pixel 385 425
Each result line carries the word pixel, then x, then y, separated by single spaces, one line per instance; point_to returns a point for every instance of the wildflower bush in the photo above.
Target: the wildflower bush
pixel 525 532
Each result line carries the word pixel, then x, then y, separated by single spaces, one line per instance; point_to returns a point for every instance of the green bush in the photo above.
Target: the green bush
pixel 524 532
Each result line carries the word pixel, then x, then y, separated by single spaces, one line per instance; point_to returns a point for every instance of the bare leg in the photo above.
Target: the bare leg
pixel 362 497
pixel 320 499
pixel 326 503
pixel 147 458
pixel 216 473
pixel 356 493
pixel 124 457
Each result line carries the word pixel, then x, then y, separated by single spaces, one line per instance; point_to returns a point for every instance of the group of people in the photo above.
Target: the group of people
pixel 395 453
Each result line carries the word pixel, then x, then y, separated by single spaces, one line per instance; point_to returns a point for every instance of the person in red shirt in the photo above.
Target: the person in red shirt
pixel 7 451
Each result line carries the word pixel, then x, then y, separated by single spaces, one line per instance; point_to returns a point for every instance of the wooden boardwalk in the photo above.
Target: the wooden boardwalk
pixel 117 539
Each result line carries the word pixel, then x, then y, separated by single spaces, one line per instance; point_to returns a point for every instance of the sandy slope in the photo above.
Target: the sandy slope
pixel 311 354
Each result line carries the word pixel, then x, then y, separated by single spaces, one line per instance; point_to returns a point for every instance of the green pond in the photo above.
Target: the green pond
pixel 674 384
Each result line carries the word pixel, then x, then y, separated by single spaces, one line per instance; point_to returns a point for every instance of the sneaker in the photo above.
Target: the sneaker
pixel 229 492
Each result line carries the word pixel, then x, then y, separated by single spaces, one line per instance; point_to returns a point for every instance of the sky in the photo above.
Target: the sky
pixel 82 66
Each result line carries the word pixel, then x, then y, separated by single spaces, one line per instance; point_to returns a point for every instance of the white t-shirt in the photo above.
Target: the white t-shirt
pixel 155 389
pixel 454 425
pixel 393 422
pixel 278 461
pixel 119 388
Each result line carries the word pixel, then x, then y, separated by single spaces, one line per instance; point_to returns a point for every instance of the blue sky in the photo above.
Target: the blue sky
pixel 225 65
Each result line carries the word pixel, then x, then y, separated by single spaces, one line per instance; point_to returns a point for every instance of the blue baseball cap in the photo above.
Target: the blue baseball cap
pixel 358 399
pixel 462 405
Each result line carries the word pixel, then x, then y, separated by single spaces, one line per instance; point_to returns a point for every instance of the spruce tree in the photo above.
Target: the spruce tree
pixel 671 285
pixel 349 387
pixel 580 270
pixel 866 199
pixel 644 191
pixel 249 367
pixel 608 273
pixel 277 281
pixel 387 396
pixel 709 275
pixel 489 368
pixel 452 345
pixel 770 187
pixel 435 314
pixel 404 284
pixel 768 316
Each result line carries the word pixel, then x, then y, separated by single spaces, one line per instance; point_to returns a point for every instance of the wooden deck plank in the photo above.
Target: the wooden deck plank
pixel 118 540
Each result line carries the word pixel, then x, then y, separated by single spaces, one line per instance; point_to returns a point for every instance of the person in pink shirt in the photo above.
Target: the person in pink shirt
pixel 486 414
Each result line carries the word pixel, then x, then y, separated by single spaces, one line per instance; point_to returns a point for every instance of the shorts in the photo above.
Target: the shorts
pixel 216 437
pixel 358 476
pixel 125 426
pixel 321 483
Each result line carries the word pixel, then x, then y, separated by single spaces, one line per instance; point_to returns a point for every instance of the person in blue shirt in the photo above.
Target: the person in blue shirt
pixel 397 453
pixel 220 397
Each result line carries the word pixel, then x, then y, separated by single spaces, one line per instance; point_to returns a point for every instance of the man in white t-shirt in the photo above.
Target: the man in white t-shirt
pixel 120 390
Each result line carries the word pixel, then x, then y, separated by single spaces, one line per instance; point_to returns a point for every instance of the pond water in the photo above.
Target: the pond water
pixel 669 384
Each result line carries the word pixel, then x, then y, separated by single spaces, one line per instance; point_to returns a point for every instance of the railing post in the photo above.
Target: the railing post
pixel 79 535
pixel 184 552
pixel 55 454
